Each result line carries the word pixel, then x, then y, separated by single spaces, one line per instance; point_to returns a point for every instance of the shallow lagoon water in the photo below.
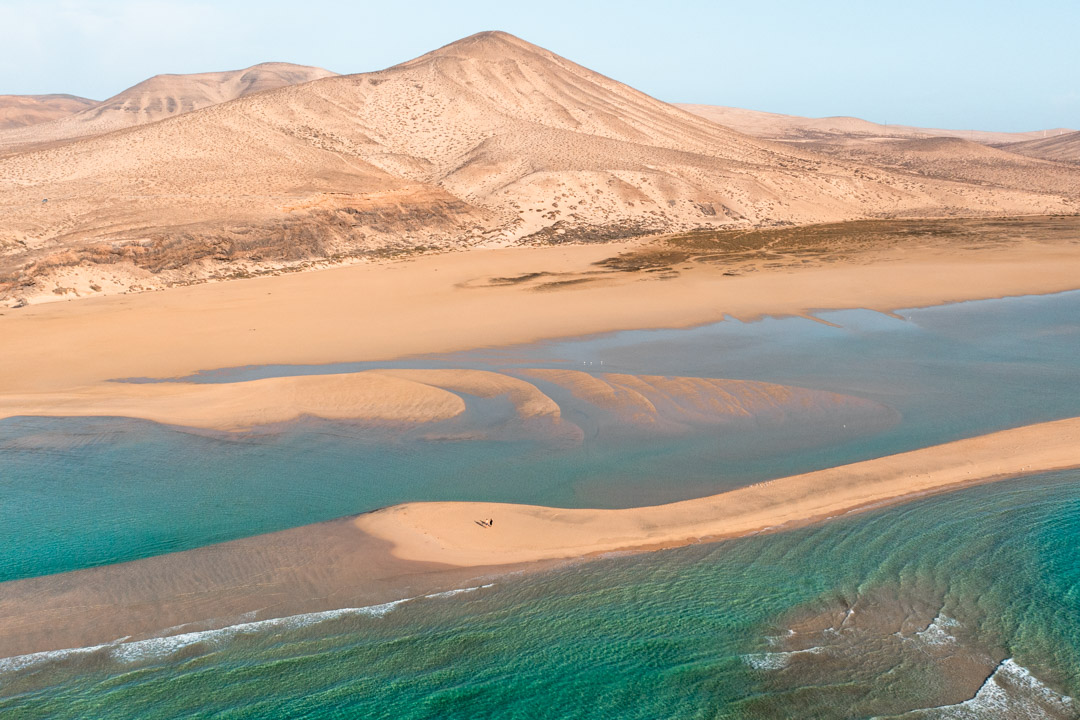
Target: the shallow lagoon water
pixel 696 632
pixel 84 492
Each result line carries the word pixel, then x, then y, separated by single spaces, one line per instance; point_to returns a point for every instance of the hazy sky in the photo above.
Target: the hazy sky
pixel 990 65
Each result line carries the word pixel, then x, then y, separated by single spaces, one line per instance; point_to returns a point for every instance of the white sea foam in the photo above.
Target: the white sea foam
pixel 22 662
pixel 777 660
pixel 937 632
pixel 122 650
pixel 459 591
pixel 1010 691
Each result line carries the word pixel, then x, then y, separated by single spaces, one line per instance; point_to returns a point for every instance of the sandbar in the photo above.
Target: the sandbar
pixel 370 396
pixel 448 532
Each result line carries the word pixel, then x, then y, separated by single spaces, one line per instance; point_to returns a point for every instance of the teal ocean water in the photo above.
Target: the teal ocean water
pixel 971 597
pixel 968 602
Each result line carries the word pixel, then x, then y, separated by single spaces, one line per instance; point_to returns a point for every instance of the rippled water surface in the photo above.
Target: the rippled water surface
pixel 964 596
pixel 967 603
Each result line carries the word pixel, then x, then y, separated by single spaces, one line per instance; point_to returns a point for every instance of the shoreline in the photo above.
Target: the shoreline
pixel 378 557
pixel 447 532
pixel 473 299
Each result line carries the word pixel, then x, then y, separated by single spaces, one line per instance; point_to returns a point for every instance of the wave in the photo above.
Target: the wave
pixel 1010 691
pixel 127 651
pixel 777 660
pixel 937 632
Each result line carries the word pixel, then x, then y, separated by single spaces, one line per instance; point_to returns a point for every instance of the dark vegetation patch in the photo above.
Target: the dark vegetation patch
pixel 796 245
pixel 517 279
pixel 560 284
pixel 562 233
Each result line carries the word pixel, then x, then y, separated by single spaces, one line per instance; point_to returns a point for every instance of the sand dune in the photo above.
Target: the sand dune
pixel 444 532
pixel 1061 148
pixel 18 111
pixel 157 98
pixel 489 141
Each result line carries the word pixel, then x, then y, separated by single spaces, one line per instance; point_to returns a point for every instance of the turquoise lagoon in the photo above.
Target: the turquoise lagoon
pixel 969 601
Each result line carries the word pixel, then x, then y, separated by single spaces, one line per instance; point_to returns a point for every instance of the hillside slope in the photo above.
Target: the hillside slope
pixel 18 111
pixel 160 97
pixel 794 127
pixel 1060 148
pixel 487 141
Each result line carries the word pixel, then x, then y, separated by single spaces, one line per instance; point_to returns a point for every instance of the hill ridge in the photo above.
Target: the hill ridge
pixel 489 141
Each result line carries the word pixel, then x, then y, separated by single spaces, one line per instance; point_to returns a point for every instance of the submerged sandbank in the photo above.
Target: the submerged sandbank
pixel 448 532
pixel 413 396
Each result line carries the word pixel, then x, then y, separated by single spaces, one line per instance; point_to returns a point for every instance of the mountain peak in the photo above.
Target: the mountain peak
pixel 487 45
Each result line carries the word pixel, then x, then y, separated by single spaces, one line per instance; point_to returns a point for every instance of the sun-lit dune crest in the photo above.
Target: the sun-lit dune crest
pixel 489 141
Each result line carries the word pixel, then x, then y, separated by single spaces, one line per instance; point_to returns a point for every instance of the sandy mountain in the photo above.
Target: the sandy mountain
pixel 960 155
pixel 953 158
pixel 1062 148
pixel 163 96
pixel 793 127
pixel 18 111
pixel 487 141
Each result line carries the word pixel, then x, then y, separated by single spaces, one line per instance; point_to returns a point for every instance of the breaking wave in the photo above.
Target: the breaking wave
pixel 127 651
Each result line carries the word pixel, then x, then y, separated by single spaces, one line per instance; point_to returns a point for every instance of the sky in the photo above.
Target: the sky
pixel 988 65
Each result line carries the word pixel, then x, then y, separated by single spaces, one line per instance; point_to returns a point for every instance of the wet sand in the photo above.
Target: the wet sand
pixel 447 532
pixel 243 405
pixel 459 301
pixel 415 549
pixel 318 567
pixel 401 396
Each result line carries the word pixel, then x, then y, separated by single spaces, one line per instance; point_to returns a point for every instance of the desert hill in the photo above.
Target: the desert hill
pixel 160 97
pixel 960 155
pixel 18 111
pixel 488 141
pixel 793 127
pixel 1062 148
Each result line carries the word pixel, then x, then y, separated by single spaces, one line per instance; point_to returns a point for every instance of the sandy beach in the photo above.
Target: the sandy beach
pixel 458 301
pixel 448 532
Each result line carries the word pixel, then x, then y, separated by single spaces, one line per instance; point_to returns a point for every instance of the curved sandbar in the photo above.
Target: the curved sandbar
pixel 414 396
pixel 241 405
pixel 447 532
